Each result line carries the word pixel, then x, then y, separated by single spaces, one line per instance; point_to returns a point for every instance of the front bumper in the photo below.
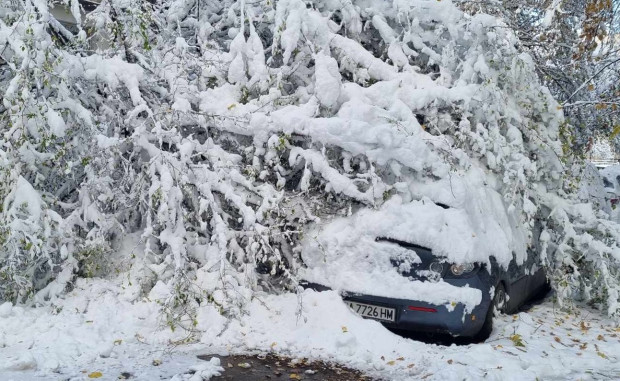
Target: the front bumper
pixel 417 316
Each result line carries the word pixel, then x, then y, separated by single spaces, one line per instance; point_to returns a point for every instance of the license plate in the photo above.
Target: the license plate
pixel 373 312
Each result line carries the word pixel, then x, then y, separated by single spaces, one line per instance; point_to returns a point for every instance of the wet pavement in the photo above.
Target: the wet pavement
pixel 274 367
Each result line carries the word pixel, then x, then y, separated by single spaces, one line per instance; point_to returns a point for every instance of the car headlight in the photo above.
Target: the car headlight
pixel 436 267
pixel 462 268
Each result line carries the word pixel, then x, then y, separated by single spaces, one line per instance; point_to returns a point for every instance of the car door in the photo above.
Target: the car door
pixel 517 282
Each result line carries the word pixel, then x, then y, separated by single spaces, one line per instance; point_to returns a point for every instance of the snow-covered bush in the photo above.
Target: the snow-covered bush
pixel 229 131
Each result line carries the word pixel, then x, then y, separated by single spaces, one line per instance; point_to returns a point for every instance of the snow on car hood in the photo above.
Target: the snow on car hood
pixel 344 255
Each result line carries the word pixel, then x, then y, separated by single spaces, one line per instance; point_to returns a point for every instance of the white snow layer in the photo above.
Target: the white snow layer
pixel 327 80
pixel 103 328
pixel 344 255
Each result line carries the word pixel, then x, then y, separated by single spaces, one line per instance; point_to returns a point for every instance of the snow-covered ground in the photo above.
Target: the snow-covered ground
pixel 98 328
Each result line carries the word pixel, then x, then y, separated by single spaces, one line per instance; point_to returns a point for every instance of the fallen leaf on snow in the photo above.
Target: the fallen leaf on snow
pixel 95 375
pixel 517 341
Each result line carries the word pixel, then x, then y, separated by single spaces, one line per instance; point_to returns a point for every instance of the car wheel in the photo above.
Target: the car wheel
pixel 500 299
pixel 498 305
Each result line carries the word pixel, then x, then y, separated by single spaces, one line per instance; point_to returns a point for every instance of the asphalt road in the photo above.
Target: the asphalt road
pixel 272 367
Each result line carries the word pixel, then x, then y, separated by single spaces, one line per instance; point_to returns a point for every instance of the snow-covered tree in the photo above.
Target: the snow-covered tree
pixel 574 44
pixel 226 130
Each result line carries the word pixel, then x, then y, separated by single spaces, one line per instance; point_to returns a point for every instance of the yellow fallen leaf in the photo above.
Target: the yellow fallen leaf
pixel 273 344
pixel 232 106
pixel 392 362
pixel 95 375
pixel 294 376
pixel 118 342
pixel 344 329
pixel 517 341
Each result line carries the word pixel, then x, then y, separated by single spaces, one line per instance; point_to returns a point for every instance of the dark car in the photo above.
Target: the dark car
pixel 611 182
pixel 503 290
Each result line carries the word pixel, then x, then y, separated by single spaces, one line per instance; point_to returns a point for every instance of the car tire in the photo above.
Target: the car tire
pixel 498 305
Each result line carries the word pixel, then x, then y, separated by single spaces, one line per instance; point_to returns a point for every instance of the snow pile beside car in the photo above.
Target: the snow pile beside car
pixel 540 344
pixel 99 331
